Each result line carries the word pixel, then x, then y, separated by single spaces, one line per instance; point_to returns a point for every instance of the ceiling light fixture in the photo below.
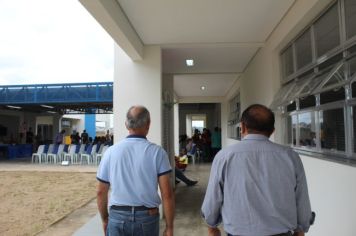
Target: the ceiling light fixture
pixel 14 107
pixel 46 106
pixel 189 62
pixel 202 87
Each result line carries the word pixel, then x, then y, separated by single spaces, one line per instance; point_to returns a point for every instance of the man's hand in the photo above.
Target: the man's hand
pixel 105 225
pixel 168 203
pixel 214 231
pixel 102 201
pixel 168 232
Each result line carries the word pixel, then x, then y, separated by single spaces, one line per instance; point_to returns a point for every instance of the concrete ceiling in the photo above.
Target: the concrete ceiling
pixel 215 84
pixel 221 36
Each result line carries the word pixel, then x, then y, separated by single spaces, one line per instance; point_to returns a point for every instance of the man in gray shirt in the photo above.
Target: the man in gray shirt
pixel 256 187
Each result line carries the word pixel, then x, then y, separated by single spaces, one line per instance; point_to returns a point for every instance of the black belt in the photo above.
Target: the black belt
pixel 282 234
pixel 131 208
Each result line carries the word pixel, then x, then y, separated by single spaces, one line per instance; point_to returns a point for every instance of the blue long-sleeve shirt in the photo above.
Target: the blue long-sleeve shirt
pixel 257 187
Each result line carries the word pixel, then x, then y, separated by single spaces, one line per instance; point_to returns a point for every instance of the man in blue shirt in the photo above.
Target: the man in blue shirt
pixel 133 169
pixel 256 187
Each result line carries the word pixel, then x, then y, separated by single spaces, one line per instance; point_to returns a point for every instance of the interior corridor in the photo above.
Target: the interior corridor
pixel 189 200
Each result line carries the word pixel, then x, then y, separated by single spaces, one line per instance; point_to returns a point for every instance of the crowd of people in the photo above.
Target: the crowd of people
pixel 207 143
pixel 84 138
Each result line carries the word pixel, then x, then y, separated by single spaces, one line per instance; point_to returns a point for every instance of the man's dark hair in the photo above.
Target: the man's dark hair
pixel 258 119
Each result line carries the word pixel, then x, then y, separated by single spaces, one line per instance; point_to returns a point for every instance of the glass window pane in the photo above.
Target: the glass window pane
pixel 353 88
pixel 332 95
pixel 332 132
pixel 312 84
pixel 303 49
pixel 352 64
pixel 327 34
pixel 309 101
pixel 294 91
pixel 289 130
pixel 330 62
pixel 281 94
pixel 350 18
pixel 292 107
pixel 294 129
pixel 352 49
pixel 287 61
pixel 336 78
pixel 307 129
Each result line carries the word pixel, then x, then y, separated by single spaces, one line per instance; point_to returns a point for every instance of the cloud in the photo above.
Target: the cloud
pixel 48 41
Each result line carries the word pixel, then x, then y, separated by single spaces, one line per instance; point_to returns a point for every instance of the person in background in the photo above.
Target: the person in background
pixel 75 138
pixel 84 137
pixel 181 176
pixel 257 187
pixel 29 136
pixel 206 145
pixel 107 137
pixel 134 168
pixel 216 141
pixel 182 141
pixel 59 137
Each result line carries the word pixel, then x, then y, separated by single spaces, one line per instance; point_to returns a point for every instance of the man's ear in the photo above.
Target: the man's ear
pixel 243 127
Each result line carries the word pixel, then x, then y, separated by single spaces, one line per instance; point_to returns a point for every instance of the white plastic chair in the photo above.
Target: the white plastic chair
pixel 71 155
pixel 49 150
pixel 56 156
pixel 194 153
pixel 98 156
pixel 39 154
pixel 80 152
pixel 88 156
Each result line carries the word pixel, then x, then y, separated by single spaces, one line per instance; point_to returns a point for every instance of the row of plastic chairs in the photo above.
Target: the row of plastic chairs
pixel 74 154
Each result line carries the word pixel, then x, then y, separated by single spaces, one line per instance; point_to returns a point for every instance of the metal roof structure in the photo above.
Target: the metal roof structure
pixel 69 98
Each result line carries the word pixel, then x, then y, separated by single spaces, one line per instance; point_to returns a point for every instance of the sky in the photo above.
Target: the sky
pixel 52 41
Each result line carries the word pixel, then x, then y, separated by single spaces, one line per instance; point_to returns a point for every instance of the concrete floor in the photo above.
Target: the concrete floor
pixel 188 221
pixel 188 202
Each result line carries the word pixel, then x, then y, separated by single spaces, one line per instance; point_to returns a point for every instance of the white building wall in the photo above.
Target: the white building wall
pixel 225 114
pixel 332 194
pixel 168 115
pixel 331 185
pixel 138 82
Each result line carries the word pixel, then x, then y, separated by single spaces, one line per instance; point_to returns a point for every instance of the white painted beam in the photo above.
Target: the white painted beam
pixel 215 45
pixel 113 19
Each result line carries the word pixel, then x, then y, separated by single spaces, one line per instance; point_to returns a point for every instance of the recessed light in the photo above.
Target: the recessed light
pixel 189 62
pixel 46 106
pixel 14 107
pixel 202 87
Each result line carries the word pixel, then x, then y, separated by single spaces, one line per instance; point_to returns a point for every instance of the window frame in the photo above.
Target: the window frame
pixel 339 57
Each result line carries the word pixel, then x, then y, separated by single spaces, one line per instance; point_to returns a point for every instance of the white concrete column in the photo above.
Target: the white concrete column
pixel 176 126
pixel 138 83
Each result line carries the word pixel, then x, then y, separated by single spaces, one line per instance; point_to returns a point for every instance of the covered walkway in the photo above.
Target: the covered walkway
pixel 63 98
pixel 188 202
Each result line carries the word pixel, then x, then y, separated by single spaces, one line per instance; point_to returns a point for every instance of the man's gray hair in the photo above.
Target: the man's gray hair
pixel 137 117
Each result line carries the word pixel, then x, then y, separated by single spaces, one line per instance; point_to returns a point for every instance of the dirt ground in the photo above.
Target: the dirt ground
pixel 33 200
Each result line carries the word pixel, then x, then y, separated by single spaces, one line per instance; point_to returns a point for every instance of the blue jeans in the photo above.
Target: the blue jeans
pixel 127 223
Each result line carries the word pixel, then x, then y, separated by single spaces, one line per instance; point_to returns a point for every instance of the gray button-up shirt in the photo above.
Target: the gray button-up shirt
pixel 256 188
